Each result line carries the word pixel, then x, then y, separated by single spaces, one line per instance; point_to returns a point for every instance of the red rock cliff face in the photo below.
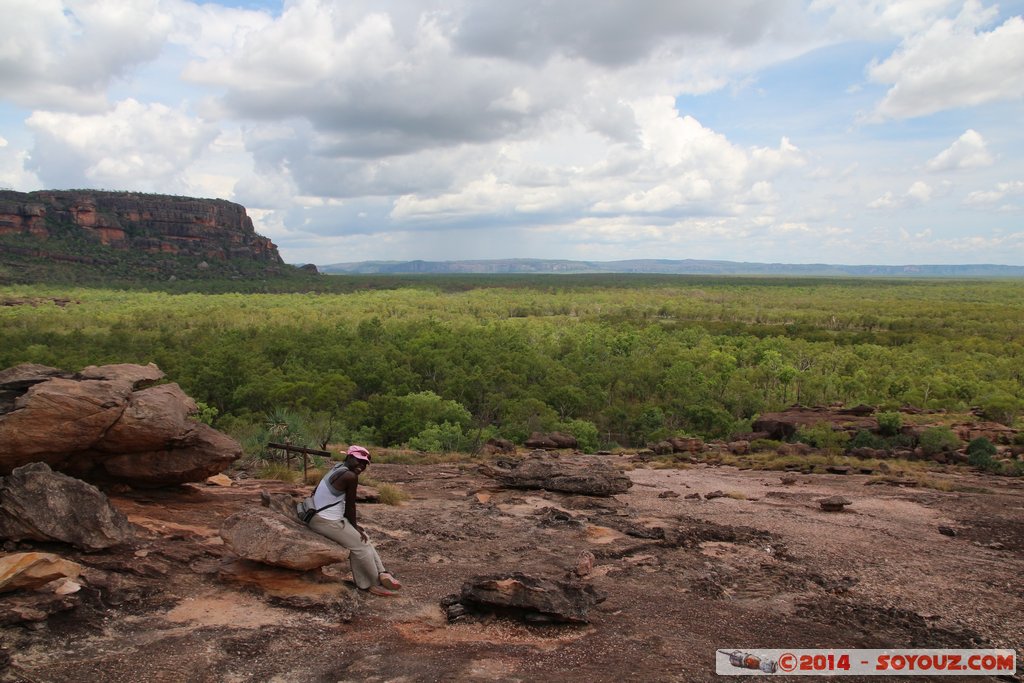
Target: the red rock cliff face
pixel 208 228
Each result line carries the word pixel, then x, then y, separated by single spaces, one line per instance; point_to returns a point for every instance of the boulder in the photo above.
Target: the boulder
pixel 686 444
pixel 107 424
pixel 497 445
pixel 860 410
pixel 562 440
pixel 39 504
pixel 661 448
pixel 538 440
pixel 15 381
pixel 531 598
pixel 265 536
pixel 584 564
pixel 597 479
pixel 834 503
pixel 739 447
pixel 197 454
pixel 34 570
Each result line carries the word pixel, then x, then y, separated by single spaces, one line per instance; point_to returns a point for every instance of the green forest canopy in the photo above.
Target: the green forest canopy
pixel 614 359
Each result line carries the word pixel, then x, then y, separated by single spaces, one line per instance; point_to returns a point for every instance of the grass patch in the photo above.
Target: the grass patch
pixel 278 472
pixel 315 474
pixel 389 493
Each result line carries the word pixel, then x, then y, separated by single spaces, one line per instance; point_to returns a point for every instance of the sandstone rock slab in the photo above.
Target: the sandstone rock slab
pixel 107 424
pixel 594 479
pixel 34 570
pixel 531 598
pixel 263 535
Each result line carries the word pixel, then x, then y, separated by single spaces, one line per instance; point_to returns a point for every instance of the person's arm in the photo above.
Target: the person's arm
pixel 349 482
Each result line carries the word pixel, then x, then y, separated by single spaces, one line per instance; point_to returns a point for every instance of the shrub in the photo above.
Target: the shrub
pixel 443 438
pixel 1001 408
pixel 585 432
pixel 938 439
pixel 1013 469
pixel 889 424
pixel 206 413
pixel 821 435
pixel 981 446
pixel 865 439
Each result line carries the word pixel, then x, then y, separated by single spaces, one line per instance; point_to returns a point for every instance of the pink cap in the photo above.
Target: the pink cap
pixel 359 452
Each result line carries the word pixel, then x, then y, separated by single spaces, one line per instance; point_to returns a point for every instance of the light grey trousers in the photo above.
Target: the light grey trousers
pixel 362 557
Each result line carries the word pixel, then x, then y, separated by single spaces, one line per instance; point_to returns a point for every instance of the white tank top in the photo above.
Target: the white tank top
pixel 325 494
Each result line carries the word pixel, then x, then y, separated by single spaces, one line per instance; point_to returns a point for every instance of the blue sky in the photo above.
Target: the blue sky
pixel 837 131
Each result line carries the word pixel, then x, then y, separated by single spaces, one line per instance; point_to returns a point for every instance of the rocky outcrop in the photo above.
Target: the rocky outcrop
pixel 527 597
pixel 267 536
pixel 993 431
pixel 105 424
pixel 39 504
pixel 212 229
pixel 593 479
pixel 784 425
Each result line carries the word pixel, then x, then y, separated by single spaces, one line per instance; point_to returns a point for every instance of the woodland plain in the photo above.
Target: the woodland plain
pixel 440 362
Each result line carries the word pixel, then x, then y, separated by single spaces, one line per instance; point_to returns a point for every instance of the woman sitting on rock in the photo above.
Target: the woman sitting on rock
pixel 335 497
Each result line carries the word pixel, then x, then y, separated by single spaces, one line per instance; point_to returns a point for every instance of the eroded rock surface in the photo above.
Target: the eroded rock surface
pixel 107 423
pixel 39 504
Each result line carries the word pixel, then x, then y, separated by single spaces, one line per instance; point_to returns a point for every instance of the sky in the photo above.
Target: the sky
pixel 784 131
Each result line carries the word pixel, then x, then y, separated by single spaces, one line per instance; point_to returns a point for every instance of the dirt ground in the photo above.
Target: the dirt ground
pixel 761 567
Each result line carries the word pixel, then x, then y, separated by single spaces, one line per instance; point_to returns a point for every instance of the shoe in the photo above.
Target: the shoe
pixel 389 582
pixel 380 591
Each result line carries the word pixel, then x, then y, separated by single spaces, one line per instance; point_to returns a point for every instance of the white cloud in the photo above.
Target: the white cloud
pixel 1001 191
pixel 969 151
pixel 953 63
pixel 64 55
pixel 879 19
pixel 133 146
pixel 677 167
pixel 919 192
pixel 13 174
pixel 377 127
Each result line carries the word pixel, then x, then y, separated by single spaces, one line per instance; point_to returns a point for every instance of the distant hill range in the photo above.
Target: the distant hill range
pixel 70 234
pixel 680 267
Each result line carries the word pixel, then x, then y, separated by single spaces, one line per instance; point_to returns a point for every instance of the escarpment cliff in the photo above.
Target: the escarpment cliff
pixel 214 230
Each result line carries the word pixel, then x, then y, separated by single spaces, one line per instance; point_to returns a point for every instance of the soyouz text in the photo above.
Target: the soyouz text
pixel 863 662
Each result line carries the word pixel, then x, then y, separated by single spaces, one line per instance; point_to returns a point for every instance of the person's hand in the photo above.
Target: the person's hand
pixel 363 536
